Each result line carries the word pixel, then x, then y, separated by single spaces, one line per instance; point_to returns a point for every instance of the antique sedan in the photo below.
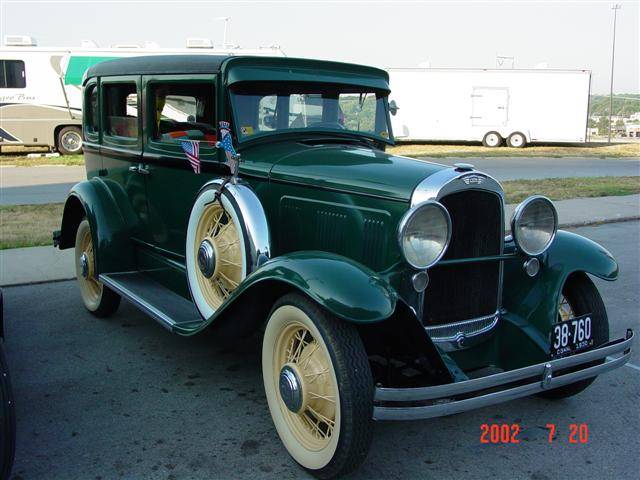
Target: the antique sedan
pixel 247 195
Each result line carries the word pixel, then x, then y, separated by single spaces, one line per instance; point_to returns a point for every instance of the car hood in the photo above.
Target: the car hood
pixel 346 167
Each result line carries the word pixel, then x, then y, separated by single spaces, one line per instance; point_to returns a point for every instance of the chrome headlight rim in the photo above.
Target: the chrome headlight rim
pixel 404 222
pixel 517 217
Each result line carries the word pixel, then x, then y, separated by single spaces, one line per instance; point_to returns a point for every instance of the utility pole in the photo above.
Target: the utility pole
pixel 615 7
pixel 226 23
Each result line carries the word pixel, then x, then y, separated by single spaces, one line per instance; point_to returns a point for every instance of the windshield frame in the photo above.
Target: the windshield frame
pixel 310 131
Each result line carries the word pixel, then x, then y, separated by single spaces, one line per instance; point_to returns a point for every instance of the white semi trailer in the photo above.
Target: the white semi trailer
pixel 496 107
pixel 40 87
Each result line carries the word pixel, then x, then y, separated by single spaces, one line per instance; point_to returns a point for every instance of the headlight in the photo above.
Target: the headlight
pixel 534 225
pixel 424 234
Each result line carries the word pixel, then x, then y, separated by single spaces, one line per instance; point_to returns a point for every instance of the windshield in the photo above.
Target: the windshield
pixel 277 107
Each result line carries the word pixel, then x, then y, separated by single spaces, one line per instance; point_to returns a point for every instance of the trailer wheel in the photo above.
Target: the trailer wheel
pixel 70 141
pixel 517 140
pixel 492 139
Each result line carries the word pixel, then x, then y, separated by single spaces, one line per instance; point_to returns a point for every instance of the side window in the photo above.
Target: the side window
pixel 12 74
pixel 121 110
pixel 91 124
pixel 183 111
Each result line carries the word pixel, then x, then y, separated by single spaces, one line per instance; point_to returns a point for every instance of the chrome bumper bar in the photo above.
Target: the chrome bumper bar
pixel 440 400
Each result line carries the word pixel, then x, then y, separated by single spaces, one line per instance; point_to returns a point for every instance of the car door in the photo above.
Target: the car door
pixel 121 150
pixel 178 109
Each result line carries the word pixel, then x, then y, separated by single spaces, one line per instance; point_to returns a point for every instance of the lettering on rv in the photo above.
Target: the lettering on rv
pixel 16 97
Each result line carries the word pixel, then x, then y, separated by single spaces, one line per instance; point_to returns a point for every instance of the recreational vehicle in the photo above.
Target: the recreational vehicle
pixel 495 107
pixel 40 87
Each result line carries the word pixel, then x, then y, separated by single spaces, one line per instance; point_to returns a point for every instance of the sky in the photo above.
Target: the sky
pixel 470 34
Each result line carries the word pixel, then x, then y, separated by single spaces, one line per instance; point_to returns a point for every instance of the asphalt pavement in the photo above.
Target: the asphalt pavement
pixel 513 168
pixel 49 184
pixel 123 398
pixel 36 185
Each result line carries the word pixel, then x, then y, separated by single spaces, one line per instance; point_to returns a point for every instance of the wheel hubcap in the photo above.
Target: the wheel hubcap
pixel 207 258
pixel 71 141
pixel 291 389
pixel 84 265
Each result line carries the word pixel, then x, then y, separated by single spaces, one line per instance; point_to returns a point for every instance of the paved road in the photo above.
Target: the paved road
pixel 511 168
pixel 29 185
pixel 22 185
pixel 122 398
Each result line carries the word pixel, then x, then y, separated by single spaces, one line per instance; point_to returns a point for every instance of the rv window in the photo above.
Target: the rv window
pixel 91 115
pixel 183 111
pixel 121 103
pixel 12 74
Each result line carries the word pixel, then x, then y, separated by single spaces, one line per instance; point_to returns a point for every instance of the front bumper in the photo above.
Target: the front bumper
pixel 440 400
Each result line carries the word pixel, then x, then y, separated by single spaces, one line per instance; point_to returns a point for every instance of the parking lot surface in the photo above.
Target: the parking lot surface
pixel 122 398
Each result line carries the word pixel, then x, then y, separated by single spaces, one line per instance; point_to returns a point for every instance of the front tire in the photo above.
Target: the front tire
pixel 98 299
pixel 579 297
pixel 318 386
pixel 70 141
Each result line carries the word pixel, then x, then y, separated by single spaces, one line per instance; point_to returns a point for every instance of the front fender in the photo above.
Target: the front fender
pixel 535 300
pixel 113 247
pixel 344 288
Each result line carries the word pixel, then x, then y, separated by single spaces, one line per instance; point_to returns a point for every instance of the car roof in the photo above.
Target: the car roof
pixel 158 64
pixel 245 68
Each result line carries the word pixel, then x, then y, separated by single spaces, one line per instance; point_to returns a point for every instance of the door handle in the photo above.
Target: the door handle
pixel 140 168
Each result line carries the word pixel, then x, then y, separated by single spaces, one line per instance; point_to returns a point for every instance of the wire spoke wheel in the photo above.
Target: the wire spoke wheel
pixel 314 423
pixel 565 311
pixel 221 272
pixel 318 385
pixel 90 287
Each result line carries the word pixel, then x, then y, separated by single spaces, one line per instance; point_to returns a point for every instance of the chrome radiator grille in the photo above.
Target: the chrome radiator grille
pixel 464 291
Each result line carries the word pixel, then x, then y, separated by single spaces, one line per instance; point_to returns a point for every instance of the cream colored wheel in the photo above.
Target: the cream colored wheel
pixel 216 256
pixel 306 381
pixel 98 299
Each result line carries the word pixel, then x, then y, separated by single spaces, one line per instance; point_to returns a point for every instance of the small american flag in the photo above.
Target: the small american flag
pixel 191 149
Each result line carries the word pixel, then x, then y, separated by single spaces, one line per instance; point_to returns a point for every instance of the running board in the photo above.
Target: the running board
pixel 174 312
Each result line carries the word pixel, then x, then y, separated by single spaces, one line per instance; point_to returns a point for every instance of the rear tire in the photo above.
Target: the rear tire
pixel 97 298
pixel 331 378
pixel 583 297
pixel 492 140
pixel 70 141
pixel 517 140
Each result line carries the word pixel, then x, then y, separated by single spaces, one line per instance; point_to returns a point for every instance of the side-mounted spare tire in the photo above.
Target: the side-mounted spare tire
pixel 227 239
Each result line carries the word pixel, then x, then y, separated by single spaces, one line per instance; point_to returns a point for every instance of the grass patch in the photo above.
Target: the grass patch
pixel 28 225
pixel 23 161
pixel 616 150
pixel 565 188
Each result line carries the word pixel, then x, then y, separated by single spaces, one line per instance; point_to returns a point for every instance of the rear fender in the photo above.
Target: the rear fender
pixel 535 300
pixel 94 200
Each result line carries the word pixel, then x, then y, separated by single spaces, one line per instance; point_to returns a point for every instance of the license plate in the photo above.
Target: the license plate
pixel 571 336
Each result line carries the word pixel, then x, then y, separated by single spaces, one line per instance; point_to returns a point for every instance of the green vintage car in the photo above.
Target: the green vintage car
pixel 244 195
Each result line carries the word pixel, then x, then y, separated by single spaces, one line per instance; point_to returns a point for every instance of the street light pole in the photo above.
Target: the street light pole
pixel 224 36
pixel 615 7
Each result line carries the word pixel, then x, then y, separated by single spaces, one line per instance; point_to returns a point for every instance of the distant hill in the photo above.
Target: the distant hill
pixel 623 104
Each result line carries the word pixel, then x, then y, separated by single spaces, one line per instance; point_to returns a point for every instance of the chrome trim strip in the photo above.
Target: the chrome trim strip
pixel 166 321
pixel 452 332
pixel 254 218
pixel 451 180
pixel 543 372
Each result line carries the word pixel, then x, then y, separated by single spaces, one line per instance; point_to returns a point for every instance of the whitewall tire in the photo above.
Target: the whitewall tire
pixel 318 386
pixel 218 226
